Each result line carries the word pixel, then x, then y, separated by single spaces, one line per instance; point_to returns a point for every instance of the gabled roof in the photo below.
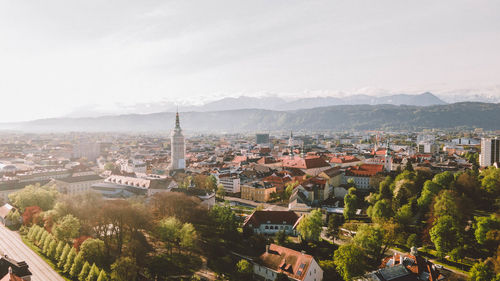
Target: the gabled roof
pixel 273 217
pixel 366 170
pixel 281 259
pixel 305 163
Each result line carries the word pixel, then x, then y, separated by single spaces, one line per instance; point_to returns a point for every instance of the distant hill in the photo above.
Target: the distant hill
pixel 344 117
pixel 275 103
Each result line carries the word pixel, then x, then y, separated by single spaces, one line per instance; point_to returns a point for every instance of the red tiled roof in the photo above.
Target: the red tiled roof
pixel 365 170
pixel 292 263
pixel 307 163
pixel 274 217
pixel 344 159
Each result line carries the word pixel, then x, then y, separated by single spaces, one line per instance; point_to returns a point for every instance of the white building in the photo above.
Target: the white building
pixel 490 152
pixel 88 150
pixel 76 185
pixel 178 147
pixel 230 181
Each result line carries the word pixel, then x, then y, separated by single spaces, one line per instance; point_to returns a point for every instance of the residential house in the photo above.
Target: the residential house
pixel 258 191
pixel 296 265
pixel 399 267
pixel 311 192
pixel 5 210
pixel 270 222
pixel 20 269
pixel 362 174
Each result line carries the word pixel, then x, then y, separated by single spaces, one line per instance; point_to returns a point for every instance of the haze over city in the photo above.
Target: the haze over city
pixel 61 58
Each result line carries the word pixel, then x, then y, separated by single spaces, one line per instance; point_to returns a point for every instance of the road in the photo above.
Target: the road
pixel 266 206
pixel 12 245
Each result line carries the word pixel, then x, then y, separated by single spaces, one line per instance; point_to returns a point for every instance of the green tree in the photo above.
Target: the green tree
pixel 244 268
pixel 382 210
pixel 51 252
pixel 484 225
pixel 334 223
pixel 169 231
pixel 68 227
pixel 429 191
pixel 77 266
pixel 385 188
pixel 15 218
pixel 63 257
pixel 444 179
pixel 211 182
pixel 124 269
pixel 350 261
pixel 221 192
pixel 405 215
pixel 490 181
pixel 480 271
pixel 46 244
pixel 280 238
pixel 93 273
pixel 41 236
pixel 225 219
pixel 34 195
pixel 310 226
pixel 68 265
pixel 350 204
pixel 370 238
pixel 187 236
pixel 59 250
pixel 93 251
pixel 289 188
pixel 84 273
pixel 103 276
pixel 446 235
pixel 446 204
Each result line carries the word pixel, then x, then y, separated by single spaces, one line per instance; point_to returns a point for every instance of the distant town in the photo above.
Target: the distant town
pixel 367 205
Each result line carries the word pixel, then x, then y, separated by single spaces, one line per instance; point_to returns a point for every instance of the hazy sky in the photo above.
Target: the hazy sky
pixel 56 56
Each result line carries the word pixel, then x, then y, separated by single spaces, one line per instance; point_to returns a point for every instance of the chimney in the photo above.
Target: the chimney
pixel 10 270
pixel 394 259
pixel 400 259
pixel 267 248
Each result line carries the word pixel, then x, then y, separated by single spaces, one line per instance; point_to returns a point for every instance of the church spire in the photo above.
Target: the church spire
pixel 177 123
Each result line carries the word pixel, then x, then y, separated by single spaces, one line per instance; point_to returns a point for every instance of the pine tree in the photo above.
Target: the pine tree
pixel 77 265
pixel 30 232
pixel 103 276
pixel 59 249
pixel 41 238
pixel 93 274
pixel 36 231
pixel 46 244
pixel 51 251
pixel 70 259
pixel 64 255
pixel 85 272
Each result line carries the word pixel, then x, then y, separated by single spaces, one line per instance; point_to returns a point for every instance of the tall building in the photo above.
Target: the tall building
pixel 262 138
pixel 490 152
pixel 87 149
pixel 178 146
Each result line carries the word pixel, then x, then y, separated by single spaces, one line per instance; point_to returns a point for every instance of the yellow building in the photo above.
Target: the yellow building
pixel 258 192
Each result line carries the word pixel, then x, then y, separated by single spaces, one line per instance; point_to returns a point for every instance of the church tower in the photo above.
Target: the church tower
pixel 177 146
pixel 388 158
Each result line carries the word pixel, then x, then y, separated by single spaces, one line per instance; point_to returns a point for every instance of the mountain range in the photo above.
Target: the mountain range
pixel 337 118
pixel 268 102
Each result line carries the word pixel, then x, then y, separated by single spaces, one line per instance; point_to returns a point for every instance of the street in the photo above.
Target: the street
pixel 12 245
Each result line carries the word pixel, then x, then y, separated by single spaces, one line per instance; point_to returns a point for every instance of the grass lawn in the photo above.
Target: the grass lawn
pixel 39 253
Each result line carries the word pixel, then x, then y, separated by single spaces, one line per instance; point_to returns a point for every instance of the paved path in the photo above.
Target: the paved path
pixel 12 245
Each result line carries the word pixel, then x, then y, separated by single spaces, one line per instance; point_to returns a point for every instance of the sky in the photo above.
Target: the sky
pixel 58 56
